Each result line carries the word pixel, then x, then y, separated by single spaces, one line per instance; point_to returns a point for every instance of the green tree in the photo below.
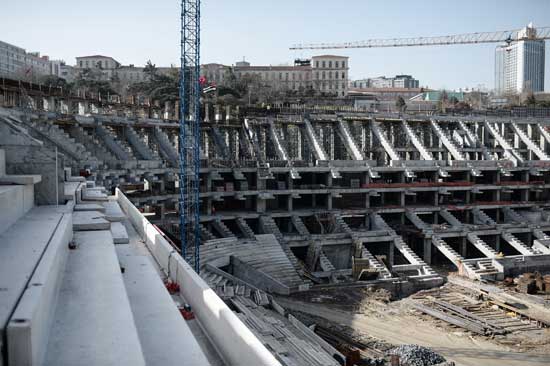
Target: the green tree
pixel 150 70
pixel 531 100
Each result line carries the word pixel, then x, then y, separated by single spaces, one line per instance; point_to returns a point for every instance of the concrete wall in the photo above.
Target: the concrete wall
pixel 515 266
pixel 234 341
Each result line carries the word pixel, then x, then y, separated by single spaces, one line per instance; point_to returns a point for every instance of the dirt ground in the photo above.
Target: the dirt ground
pixel 371 314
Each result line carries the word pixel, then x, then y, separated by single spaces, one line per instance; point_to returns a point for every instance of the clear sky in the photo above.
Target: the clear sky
pixel 133 31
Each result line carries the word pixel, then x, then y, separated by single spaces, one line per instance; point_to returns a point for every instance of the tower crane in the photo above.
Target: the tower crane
pixel 189 132
pixel 508 36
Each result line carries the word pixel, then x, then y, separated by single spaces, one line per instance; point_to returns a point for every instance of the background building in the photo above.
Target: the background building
pixel 519 66
pixel 17 63
pixel 399 81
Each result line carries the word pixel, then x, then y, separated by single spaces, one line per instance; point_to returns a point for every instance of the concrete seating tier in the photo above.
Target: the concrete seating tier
pixel 93 319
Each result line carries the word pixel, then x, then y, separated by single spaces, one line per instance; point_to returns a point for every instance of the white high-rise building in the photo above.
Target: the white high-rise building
pixel 519 66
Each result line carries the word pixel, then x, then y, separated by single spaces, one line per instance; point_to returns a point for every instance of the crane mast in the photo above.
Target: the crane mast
pixel 467 38
pixel 189 132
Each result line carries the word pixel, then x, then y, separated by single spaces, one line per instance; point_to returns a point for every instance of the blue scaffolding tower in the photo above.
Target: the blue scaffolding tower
pixel 189 133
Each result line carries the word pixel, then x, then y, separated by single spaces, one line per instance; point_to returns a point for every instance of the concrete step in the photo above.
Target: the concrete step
pixel 113 213
pixel 28 329
pixel 90 220
pixel 93 322
pixel 165 336
pixel 21 247
pixel 119 233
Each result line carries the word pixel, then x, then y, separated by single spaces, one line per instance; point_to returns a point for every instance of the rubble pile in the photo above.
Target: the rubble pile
pixel 414 355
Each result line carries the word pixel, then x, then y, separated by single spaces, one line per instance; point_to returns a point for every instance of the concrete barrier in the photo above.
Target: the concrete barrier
pixel 236 344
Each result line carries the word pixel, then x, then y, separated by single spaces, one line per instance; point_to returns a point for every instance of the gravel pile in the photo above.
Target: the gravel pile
pixel 413 355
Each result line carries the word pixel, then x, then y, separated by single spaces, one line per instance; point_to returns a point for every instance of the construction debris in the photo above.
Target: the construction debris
pixel 414 355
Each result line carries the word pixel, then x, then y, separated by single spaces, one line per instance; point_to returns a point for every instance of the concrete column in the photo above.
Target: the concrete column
pixel 463 247
pixel 82 110
pixel 260 205
pixel 228 113
pixel 206 112
pixel 177 111
pixel 497 244
pixel 391 253
pixel 428 251
pixel 403 199
pixel 217 113
pixel 329 201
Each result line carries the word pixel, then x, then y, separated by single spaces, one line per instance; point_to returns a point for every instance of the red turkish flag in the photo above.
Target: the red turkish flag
pixel 202 80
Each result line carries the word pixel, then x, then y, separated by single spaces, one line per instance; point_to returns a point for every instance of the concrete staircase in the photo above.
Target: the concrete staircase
pixel 531 145
pixel 417 221
pixel 450 218
pixel 324 263
pixel 483 247
pixel 449 145
pixel 206 234
pixel 424 154
pixel 246 230
pixel 299 225
pixel 518 244
pixel 138 146
pixel 65 143
pixel 168 150
pixel 481 218
pixel 375 127
pixel 473 141
pixel 222 229
pixel 269 226
pixel 375 263
pixel 511 215
pixel 220 142
pixel 281 150
pixel 447 251
pixel 348 140
pixel 404 249
pixel 509 152
pixel 92 144
pixel 118 147
pixel 320 154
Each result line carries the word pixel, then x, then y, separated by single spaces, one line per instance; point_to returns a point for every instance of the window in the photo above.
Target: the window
pixel 336 64
pixel 323 75
pixel 324 64
pixel 330 74
pixel 317 64
pixel 286 76
pixel 330 64
pixel 87 65
pixel 343 75
pixel 81 64
pixel 293 76
pixel 280 76
pixel 343 64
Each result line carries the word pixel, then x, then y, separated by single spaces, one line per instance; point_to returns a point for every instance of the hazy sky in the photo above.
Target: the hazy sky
pixel 133 31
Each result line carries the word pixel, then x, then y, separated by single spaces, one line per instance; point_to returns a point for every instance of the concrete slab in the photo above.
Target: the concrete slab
pixel 93 323
pixel 21 247
pixel 165 336
pixel 90 220
pixel 119 233
pixel 89 207
pixel 21 179
pixel 29 327
pixel 93 195
pixel 113 212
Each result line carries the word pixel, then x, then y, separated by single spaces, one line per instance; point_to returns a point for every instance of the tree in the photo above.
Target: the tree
pixel 531 100
pixel 150 70
pixel 453 100
pixel 400 103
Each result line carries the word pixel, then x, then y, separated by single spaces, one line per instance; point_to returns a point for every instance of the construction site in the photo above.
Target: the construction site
pixel 199 233
pixel 327 218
